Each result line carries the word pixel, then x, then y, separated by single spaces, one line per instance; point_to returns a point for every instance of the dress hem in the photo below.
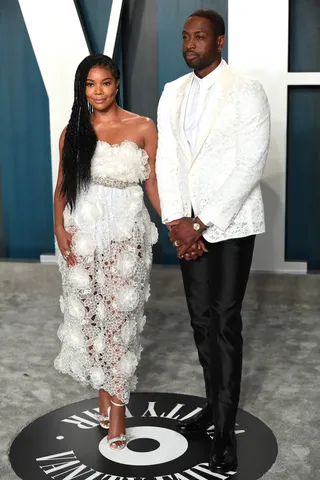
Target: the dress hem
pixel 87 383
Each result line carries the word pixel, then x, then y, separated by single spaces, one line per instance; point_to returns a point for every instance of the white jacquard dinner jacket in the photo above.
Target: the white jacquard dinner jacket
pixel 220 180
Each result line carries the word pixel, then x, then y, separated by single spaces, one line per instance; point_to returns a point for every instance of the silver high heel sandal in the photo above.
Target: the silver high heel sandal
pixel 121 438
pixel 104 420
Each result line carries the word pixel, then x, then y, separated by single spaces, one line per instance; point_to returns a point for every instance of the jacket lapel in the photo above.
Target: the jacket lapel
pixel 178 116
pixel 224 85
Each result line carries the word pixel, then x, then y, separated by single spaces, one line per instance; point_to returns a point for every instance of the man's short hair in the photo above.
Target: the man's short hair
pixel 215 18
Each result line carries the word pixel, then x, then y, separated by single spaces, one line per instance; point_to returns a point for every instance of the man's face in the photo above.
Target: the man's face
pixel 200 44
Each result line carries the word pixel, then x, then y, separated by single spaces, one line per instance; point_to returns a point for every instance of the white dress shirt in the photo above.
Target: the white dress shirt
pixel 201 91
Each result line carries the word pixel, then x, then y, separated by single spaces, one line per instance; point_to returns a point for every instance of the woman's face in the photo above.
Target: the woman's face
pixel 101 88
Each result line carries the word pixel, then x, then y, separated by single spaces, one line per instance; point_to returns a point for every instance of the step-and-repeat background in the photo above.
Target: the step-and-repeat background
pixel 276 42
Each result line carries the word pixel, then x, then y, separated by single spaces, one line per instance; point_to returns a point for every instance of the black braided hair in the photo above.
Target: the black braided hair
pixel 80 138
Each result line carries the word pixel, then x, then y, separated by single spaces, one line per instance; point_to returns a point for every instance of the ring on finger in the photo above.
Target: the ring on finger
pixel 67 253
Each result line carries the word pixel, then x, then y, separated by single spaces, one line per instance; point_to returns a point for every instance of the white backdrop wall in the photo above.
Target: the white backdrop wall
pixel 257 44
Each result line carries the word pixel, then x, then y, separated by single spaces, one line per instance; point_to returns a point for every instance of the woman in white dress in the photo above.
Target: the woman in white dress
pixel 105 237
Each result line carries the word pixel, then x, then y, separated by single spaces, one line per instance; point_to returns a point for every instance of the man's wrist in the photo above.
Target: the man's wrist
pixel 203 226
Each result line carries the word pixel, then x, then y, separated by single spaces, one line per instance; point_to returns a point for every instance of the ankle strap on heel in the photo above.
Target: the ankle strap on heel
pixel 118 404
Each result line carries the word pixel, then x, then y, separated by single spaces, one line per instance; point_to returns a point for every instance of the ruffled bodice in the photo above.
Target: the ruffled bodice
pixel 130 166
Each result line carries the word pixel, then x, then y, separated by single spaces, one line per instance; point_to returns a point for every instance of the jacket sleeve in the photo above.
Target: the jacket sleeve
pixel 252 143
pixel 167 162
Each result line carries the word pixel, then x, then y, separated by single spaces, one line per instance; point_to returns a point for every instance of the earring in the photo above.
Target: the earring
pixel 90 108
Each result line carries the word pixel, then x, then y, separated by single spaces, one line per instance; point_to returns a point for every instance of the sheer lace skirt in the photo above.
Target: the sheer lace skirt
pixel 104 294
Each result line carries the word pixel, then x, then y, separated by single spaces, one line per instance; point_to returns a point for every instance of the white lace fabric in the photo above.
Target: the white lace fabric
pixel 104 294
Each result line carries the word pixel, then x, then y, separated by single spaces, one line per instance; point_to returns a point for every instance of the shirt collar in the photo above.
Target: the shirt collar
pixel 209 80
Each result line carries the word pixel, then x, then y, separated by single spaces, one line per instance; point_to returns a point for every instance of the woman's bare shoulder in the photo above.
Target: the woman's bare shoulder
pixel 139 120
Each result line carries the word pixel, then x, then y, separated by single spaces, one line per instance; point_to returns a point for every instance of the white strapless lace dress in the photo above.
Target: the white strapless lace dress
pixel 104 294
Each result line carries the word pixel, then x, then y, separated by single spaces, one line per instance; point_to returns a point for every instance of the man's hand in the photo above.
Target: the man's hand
pixel 182 234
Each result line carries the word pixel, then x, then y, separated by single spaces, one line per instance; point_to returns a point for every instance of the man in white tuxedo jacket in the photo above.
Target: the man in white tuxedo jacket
pixel 214 131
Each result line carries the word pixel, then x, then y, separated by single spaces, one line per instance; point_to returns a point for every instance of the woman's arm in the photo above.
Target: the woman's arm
pixel 150 145
pixel 59 199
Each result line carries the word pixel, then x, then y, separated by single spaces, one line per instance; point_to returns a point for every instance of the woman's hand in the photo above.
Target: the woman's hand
pixel 195 251
pixel 64 240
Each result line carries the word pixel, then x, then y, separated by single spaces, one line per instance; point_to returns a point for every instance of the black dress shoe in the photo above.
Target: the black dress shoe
pixel 198 423
pixel 214 455
pixel 223 456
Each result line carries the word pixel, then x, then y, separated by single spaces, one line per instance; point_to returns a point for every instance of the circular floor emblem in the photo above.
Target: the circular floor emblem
pixel 164 453
pixel 69 444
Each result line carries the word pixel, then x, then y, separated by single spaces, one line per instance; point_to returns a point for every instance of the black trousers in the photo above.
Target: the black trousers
pixel 215 285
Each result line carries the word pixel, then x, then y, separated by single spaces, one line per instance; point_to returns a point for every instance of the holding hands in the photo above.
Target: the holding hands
pixel 186 239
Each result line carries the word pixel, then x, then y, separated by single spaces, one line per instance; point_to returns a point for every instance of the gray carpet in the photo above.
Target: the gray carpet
pixel 281 380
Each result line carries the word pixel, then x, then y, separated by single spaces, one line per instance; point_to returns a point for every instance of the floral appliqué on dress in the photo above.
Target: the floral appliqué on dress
pixel 104 294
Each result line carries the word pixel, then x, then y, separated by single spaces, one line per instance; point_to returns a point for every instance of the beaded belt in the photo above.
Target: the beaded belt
pixel 109 182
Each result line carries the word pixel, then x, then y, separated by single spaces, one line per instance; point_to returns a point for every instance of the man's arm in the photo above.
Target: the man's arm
pixel 167 163
pixel 252 145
